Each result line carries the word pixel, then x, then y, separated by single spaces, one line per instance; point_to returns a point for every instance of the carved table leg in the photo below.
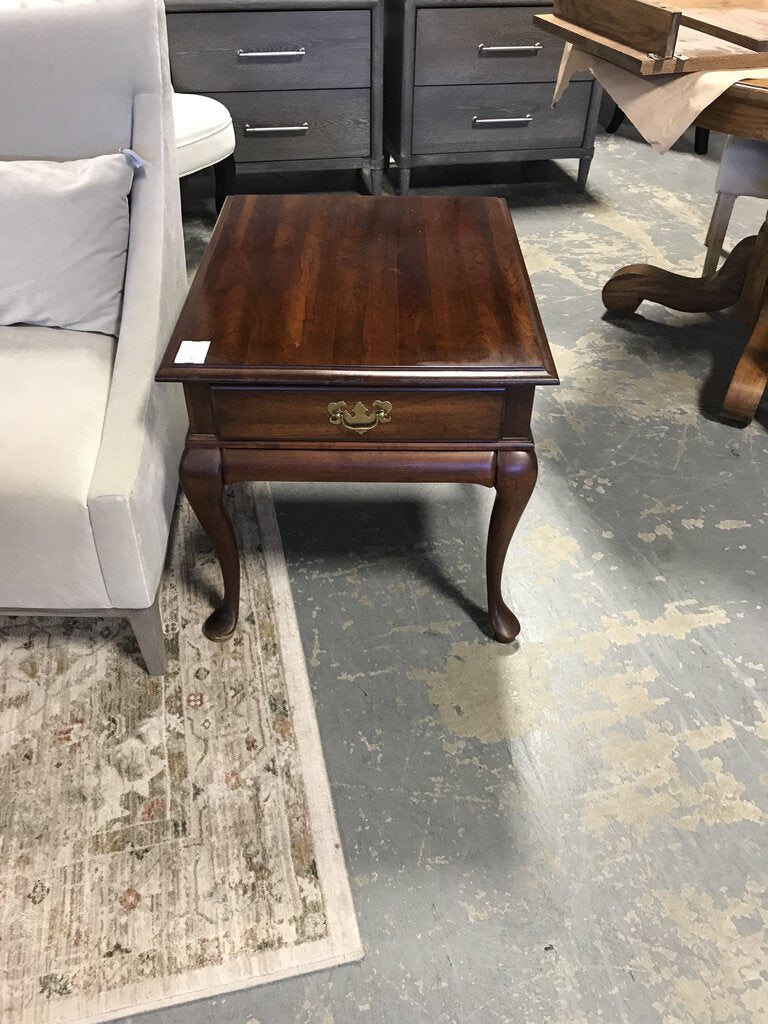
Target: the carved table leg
pixel 515 479
pixel 750 378
pixel 203 484
pixel 632 285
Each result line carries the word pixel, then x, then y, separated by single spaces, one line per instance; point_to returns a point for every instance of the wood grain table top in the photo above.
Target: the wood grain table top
pixel 360 289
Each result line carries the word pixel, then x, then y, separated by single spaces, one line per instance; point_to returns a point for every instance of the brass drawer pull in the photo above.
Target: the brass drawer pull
pixel 271 54
pixel 359 419
pixel 500 122
pixel 274 129
pixel 509 51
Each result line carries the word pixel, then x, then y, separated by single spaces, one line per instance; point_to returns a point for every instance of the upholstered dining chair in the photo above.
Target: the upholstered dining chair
pixel 89 444
pixel 743 172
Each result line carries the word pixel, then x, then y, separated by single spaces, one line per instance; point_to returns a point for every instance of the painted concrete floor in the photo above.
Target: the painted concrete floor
pixel 571 830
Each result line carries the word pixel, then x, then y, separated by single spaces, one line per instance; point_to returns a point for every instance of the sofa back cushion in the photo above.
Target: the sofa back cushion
pixel 69 75
pixel 64 242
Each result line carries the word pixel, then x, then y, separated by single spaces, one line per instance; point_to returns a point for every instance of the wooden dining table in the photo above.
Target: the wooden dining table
pixel 741 284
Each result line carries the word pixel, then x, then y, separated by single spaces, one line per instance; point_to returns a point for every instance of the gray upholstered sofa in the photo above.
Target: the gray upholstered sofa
pixel 89 444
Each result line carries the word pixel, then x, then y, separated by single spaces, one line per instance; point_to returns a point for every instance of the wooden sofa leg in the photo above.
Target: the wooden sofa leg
pixel 148 629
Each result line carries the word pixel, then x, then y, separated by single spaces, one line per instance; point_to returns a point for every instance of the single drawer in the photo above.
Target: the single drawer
pixel 490 118
pixel 367 415
pixel 234 51
pixel 299 125
pixel 483 45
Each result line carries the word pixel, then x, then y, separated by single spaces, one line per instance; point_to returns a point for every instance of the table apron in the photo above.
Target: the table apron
pixel 242 464
pixel 741 111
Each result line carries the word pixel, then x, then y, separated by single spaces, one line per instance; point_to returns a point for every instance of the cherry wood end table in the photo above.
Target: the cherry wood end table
pixel 360 339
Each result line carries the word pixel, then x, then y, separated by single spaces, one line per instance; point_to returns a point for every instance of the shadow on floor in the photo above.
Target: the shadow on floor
pixel 719 336
pixel 389 532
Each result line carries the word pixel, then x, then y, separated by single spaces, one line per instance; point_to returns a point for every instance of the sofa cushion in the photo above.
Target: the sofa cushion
pixel 64 230
pixel 53 395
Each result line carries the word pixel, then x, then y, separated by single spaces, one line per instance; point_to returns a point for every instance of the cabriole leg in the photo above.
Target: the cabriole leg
pixel 203 483
pixel 515 478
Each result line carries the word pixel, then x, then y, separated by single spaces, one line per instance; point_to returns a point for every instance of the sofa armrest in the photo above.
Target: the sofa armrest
pixel 135 479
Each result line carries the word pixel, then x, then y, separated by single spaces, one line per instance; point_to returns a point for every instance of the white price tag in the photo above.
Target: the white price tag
pixel 192 352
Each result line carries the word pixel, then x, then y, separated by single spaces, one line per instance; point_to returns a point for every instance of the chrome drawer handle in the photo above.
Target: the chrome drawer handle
pixel 270 54
pixel 359 419
pixel 500 122
pixel 274 129
pixel 508 51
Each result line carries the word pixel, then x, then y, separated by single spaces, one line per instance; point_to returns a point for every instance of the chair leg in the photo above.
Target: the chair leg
pixel 701 141
pixel 148 629
pixel 718 226
pixel 617 120
pixel 224 174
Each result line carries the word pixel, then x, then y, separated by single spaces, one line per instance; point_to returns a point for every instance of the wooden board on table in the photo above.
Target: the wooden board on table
pixel 638 24
pixel 744 26
pixel 702 52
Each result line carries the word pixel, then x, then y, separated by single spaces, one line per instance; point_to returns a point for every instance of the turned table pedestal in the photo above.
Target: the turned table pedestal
pixel 360 339
pixel 742 281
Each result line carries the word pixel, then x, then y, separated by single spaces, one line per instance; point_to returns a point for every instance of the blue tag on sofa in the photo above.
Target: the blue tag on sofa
pixel 134 159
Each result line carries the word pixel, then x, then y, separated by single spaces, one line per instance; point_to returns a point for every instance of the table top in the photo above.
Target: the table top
pixel 333 289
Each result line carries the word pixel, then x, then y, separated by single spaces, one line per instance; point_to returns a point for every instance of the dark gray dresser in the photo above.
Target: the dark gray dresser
pixel 301 79
pixel 469 83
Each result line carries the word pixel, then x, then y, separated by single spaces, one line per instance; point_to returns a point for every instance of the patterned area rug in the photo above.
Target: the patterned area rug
pixel 172 838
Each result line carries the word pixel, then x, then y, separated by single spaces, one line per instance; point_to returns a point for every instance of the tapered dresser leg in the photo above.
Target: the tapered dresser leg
pixel 376 181
pixel 203 484
pixel 515 479
pixel 404 180
pixel 584 165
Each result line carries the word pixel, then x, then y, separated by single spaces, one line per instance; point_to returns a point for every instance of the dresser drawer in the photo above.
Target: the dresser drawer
pixel 448 45
pixel 488 118
pixel 368 415
pixel 271 125
pixel 288 50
